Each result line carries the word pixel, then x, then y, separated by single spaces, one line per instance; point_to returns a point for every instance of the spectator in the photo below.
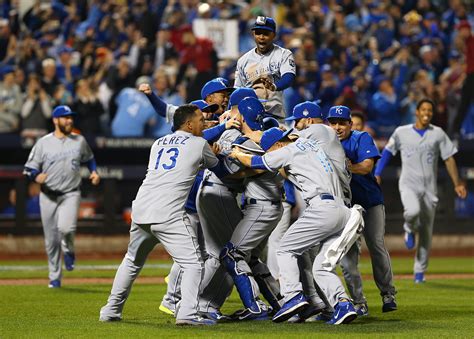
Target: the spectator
pixel 49 80
pixel 36 110
pixel 88 108
pixel 164 49
pixel 119 77
pixel 66 71
pixel 134 112
pixel 10 101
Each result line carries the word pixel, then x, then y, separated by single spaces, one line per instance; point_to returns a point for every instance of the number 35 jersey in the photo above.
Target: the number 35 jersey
pixel 175 160
pixel 60 159
pixel 420 155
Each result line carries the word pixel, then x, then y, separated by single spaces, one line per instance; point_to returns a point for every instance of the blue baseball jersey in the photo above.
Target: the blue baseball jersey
pixel 366 192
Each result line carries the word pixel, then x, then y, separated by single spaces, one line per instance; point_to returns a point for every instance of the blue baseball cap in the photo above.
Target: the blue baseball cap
pixel 266 23
pixel 7 69
pixel 239 94
pixel 306 109
pixel 215 85
pixel 253 112
pixel 271 136
pixel 339 112
pixel 205 107
pixel 62 111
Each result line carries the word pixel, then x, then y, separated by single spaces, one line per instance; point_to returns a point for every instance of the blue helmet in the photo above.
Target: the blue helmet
pixel 253 112
pixel 269 122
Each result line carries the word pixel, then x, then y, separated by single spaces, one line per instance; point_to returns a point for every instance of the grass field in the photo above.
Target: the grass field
pixel 442 307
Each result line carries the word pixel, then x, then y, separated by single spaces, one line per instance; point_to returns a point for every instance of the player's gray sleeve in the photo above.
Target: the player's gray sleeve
pixel 170 109
pixel 34 159
pixel 393 144
pixel 288 63
pixel 275 160
pixel 239 82
pixel 86 152
pixel 446 147
pixel 209 160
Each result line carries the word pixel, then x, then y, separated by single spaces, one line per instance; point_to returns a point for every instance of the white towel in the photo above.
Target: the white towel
pixel 343 243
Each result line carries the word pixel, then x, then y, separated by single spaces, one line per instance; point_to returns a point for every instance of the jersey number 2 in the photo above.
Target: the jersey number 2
pixel 173 158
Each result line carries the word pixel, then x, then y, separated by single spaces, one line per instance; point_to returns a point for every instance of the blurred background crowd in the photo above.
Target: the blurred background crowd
pixel 378 57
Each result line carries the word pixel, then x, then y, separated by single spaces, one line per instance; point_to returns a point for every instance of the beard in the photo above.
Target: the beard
pixel 65 129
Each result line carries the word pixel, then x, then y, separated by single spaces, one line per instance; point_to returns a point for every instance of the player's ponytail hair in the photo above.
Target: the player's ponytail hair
pixel 182 114
pixel 426 100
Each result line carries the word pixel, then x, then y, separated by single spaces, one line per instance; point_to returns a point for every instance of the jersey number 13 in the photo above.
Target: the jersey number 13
pixel 171 163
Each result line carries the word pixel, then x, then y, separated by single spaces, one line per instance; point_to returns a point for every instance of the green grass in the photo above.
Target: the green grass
pixel 438 308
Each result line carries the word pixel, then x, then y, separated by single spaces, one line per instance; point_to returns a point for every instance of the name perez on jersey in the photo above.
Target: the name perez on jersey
pixel 174 140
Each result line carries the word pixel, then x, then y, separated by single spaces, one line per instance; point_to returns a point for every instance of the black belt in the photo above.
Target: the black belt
pixel 55 194
pixel 326 196
pixel 252 201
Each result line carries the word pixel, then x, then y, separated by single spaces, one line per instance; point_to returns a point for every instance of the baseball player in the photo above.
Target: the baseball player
pixel 268 68
pixel 217 205
pixel 158 215
pixel 308 122
pixel 262 210
pixel 307 166
pixel 421 144
pixel 54 163
pixel 362 153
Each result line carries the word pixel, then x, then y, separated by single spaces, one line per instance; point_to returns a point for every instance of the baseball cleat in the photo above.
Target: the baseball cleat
pixel 216 316
pixel 389 303
pixel 167 279
pixel 54 284
pixel 343 314
pixel 295 319
pixel 325 315
pixel 166 310
pixel 419 278
pixel 247 314
pixel 198 321
pixel 106 319
pixel 363 310
pixel 290 308
pixel 409 240
pixel 69 259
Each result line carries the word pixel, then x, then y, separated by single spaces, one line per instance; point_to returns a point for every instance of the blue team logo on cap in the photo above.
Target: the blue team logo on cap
pixel 306 109
pixel 62 111
pixel 339 112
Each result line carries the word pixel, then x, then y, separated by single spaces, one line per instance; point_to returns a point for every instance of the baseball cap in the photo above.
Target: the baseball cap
pixel 215 85
pixel 7 69
pixel 205 107
pixel 65 49
pixel 306 109
pixel 379 79
pixel 271 136
pixel 62 111
pixel 339 112
pixel 264 22
pixel 241 93
pixel 253 112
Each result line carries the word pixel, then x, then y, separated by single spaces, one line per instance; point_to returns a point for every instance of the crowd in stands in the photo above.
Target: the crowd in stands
pixel 379 57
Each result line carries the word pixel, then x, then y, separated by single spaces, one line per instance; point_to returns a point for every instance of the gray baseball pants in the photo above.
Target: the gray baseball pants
pixel 219 214
pixel 257 223
pixel 173 291
pixel 180 241
pixel 374 233
pixel 275 238
pixel 319 225
pixel 59 219
pixel 419 209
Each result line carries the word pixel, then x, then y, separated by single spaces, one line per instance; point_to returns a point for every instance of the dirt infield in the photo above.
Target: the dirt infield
pixel 161 280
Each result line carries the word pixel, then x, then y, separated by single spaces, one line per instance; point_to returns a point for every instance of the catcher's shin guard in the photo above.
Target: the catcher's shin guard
pixel 229 257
